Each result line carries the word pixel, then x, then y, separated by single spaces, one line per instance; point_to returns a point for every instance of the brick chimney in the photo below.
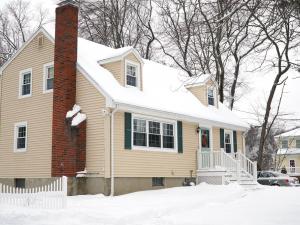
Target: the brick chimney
pixel 68 143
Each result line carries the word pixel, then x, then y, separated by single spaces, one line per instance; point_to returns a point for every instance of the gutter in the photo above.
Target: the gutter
pixel 112 160
pixel 160 113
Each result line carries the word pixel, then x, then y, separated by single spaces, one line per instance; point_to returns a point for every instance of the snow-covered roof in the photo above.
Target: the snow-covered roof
pixel 196 81
pixel 288 151
pixel 292 133
pixel 163 90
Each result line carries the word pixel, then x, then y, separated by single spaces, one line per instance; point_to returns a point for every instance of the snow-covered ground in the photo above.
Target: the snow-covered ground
pixel 202 204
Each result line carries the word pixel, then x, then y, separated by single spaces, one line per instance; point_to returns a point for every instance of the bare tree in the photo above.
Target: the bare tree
pixel 17 22
pixel 275 19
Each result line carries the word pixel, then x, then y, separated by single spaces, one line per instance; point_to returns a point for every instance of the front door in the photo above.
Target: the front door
pixel 205 143
pixel 228 141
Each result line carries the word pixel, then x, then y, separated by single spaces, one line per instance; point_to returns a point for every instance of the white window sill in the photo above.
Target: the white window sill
pixel 24 96
pixel 153 149
pixel 20 150
pixel 47 91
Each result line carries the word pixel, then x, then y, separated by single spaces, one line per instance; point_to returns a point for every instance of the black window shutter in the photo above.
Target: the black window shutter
pixel 127 130
pixel 208 138
pixel 221 138
pixel 179 137
pixel 234 141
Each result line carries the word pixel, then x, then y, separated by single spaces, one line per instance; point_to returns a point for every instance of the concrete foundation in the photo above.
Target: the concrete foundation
pixel 97 185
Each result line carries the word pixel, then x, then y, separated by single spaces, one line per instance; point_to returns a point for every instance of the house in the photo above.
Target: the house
pixel 288 153
pixel 109 120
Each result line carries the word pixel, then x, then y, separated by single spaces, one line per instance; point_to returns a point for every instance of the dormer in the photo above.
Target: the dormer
pixel 204 88
pixel 126 65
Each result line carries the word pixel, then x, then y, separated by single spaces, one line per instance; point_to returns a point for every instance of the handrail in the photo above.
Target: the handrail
pixel 233 164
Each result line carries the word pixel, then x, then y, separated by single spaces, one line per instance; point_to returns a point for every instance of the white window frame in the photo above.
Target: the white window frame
pixel 138 73
pixel 215 95
pixel 296 142
pixel 161 121
pixel 21 75
pixel 46 66
pixel 231 140
pixel 16 130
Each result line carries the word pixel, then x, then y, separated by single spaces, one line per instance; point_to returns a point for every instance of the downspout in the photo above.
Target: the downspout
pixel 112 171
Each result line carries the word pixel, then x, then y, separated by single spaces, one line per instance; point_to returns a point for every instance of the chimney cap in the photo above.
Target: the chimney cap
pixel 68 2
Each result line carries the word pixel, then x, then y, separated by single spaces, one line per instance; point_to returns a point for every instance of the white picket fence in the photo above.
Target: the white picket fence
pixel 53 195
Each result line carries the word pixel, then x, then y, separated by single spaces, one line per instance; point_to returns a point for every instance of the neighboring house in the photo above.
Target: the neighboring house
pixel 109 120
pixel 288 154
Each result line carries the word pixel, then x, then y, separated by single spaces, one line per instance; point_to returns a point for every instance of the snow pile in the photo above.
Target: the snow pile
pixel 196 205
pixel 78 119
pixel 289 151
pixel 75 110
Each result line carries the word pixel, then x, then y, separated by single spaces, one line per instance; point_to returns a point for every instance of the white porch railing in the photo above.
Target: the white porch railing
pixel 53 195
pixel 236 165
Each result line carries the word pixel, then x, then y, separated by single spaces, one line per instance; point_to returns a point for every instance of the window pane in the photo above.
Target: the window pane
pixel 26 89
pixel 49 84
pixel 154 140
pixel 168 129
pixel 139 125
pixel 211 101
pixel 297 143
pixel 154 127
pixel 21 143
pixel 22 131
pixel 168 141
pixel 26 78
pixel 210 95
pixel 131 81
pixel 139 139
pixel 50 72
pixel 284 144
pixel 205 138
pixel 227 138
pixel 228 148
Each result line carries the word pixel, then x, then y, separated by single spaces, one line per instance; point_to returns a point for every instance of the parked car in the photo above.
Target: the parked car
pixel 276 179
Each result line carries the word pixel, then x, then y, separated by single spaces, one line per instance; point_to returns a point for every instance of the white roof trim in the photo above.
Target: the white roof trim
pixel 22 48
pixel 120 57
pixel 162 114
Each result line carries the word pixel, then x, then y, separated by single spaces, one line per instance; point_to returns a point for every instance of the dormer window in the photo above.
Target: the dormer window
pixel 211 96
pixel 132 74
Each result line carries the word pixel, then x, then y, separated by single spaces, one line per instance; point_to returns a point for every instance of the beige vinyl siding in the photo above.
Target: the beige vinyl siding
pixel 200 92
pixel 239 136
pixel 36 110
pixel 216 139
pixel 91 103
pixel 139 163
pixel 118 69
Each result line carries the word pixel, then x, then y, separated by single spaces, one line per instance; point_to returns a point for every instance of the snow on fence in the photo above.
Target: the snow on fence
pixel 49 196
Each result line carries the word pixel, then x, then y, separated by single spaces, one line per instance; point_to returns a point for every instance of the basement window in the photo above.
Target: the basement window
pixel 157 181
pixel 20 183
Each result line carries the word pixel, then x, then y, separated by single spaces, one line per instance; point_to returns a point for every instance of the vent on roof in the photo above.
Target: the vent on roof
pixel 40 41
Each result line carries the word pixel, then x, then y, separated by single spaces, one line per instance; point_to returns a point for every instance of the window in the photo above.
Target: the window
pixel 204 138
pixel 20 137
pixel 228 141
pixel 139 132
pixel 157 181
pixel 284 144
pixel 20 183
pixel 297 143
pixel 153 134
pixel 168 135
pixel 132 74
pixel 48 77
pixel 25 83
pixel 210 96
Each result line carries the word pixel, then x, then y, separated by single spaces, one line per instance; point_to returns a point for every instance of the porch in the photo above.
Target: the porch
pixel 219 167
